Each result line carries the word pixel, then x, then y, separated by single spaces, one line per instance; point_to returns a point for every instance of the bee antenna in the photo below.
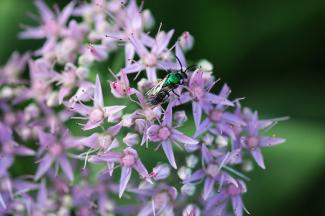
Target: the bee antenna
pixel 190 67
pixel 180 63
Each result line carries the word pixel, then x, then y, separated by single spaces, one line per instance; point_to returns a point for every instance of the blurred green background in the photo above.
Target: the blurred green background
pixel 272 53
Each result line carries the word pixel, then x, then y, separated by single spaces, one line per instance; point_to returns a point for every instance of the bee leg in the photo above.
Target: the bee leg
pixel 175 93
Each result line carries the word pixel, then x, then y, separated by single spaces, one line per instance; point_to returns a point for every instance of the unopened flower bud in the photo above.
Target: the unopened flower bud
pixel 131 139
pixel 180 117
pixel 221 141
pixel 205 65
pixel 186 41
pixel 184 172
pixel 161 171
pixel 148 20
pixel 188 189
pixel 52 99
pixel 191 210
pixel 191 161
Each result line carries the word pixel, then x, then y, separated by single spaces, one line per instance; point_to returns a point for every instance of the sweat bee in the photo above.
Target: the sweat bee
pixel 161 91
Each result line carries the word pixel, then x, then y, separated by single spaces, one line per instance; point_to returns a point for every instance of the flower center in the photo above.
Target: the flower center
pixel 150 60
pixel 216 115
pixel 128 160
pixel 96 115
pixel 164 133
pixel 104 141
pixel 252 142
pixel 52 27
pixel 55 149
pixel 213 170
pixel 233 190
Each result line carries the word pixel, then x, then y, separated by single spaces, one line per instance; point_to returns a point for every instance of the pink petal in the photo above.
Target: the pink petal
pixel 66 13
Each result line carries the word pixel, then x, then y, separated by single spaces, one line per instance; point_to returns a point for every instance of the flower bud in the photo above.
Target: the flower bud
pixel 184 172
pixel 191 161
pixel 186 41
pixel 191 210
pixel 188 189
pixel 131 139
pixel 161 171
pixel 148 20
pixel 180 117
pixel 221 141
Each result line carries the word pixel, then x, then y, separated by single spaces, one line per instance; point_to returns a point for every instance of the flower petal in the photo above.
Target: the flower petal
pixel 271 141
pixel 151 74
pixel 257 155
pixel 197 113
pixel 132 68
pixel 168 149
pixel 208 186
pixel 180 55
pixel 237 205
pixel 197 175
pixel 203 127
pixel 182 138
pixel 216 99
pixel 66 167
pixel 44 166
pixel 124 180
pixel 168 117
pixel 98 94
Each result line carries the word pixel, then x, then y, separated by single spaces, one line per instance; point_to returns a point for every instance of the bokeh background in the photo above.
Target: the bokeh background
pixel 272 53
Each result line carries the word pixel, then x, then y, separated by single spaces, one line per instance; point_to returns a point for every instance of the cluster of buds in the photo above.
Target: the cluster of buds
pixel 87 140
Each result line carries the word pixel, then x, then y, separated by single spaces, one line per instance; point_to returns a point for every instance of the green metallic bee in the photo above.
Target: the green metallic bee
pixel 161 91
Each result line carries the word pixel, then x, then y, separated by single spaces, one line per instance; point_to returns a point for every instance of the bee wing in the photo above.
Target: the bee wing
pixel 156 88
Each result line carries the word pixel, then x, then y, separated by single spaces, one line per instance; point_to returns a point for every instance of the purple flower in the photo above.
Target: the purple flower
pixel 213 172
pixel 253 141
pixel 68 80
pixel 9 148
pixel 162 200
pixel 14 67
pixel 201 97
pixel 121 86
pixel 229 191
pixel 219 121
pixel 103 142
pixel 150 60
pixel 52 25
pixel 55 152
pixel 98 113
pixel 128 160
pixel 167 135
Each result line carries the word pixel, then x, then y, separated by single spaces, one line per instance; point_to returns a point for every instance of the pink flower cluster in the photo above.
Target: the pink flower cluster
pixel 87 141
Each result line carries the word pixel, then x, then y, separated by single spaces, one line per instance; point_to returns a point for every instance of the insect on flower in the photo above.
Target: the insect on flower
pixel 160 92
